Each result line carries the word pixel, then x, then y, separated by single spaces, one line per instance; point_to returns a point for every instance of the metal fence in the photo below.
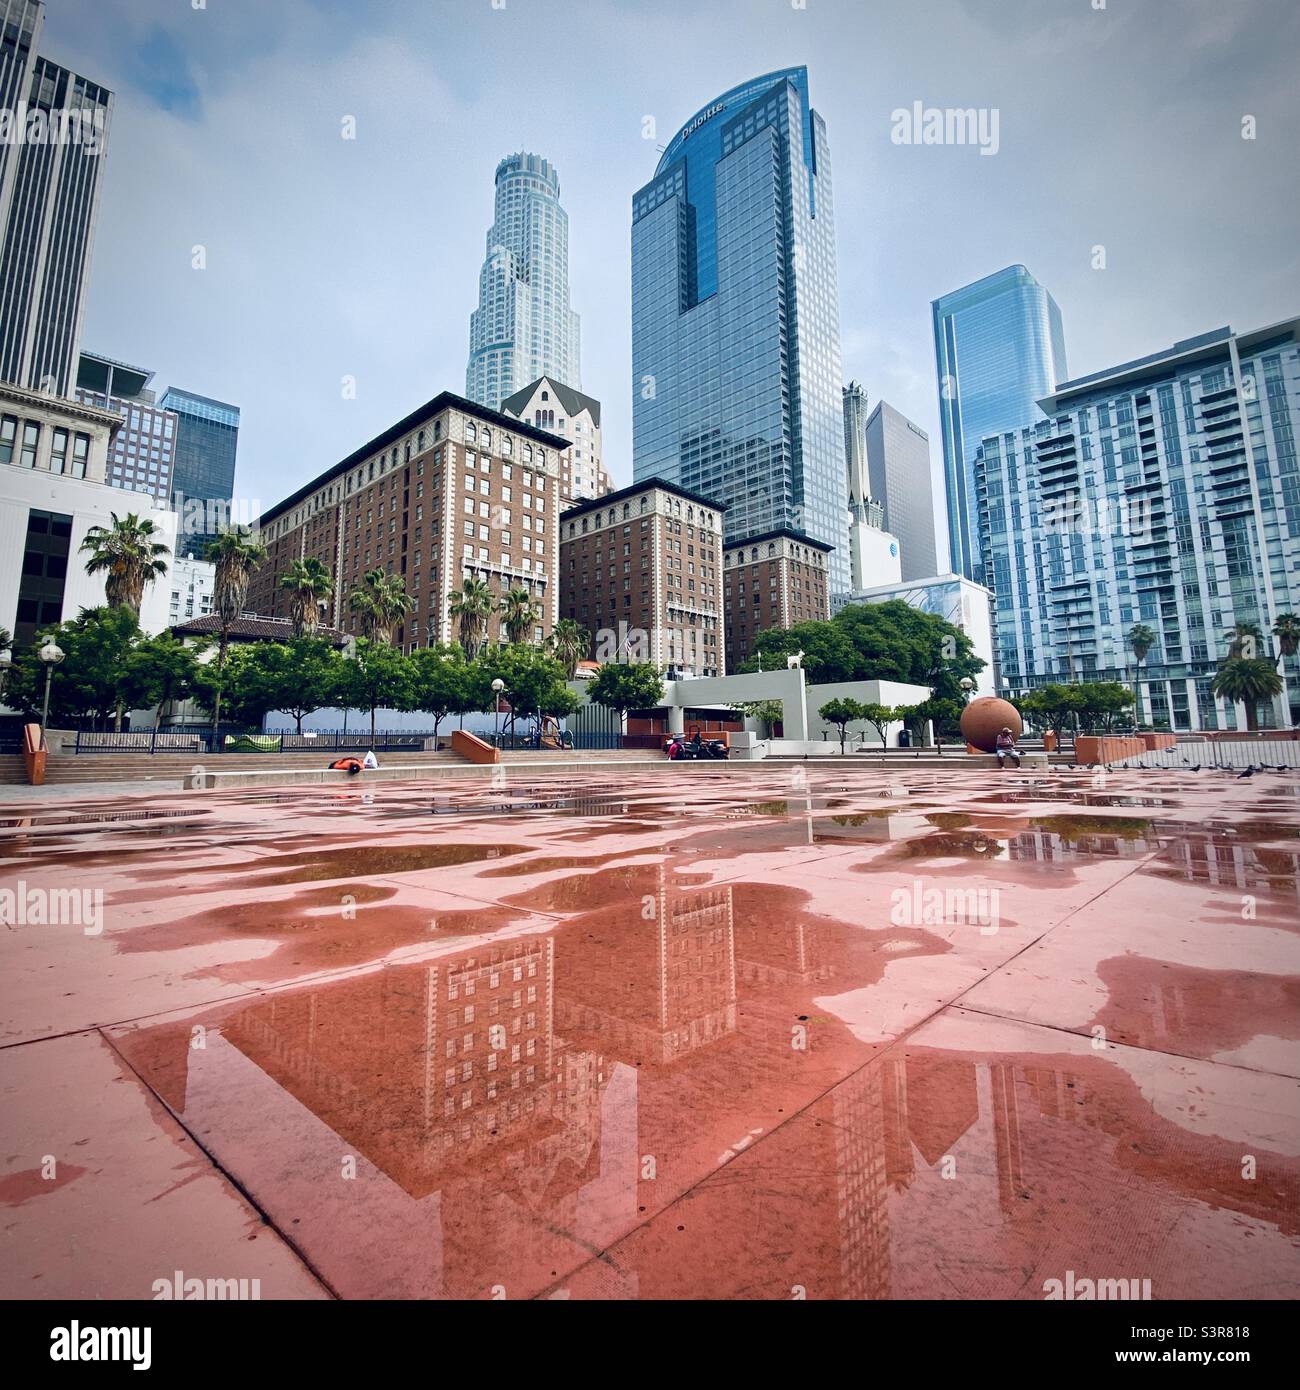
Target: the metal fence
pixel 233 739
pixel 1226 753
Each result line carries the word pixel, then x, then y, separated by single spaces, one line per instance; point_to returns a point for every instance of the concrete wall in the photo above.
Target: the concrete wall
pixel 893 693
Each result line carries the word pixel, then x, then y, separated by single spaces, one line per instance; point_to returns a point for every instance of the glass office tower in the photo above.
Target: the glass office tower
pixel 523 327
pixel 203 468
pixel 735 317
pixel 999 348
pixel 1165 491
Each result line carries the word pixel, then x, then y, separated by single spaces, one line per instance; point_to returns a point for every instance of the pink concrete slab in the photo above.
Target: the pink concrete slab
pixel 984 1160
pixel 102 1193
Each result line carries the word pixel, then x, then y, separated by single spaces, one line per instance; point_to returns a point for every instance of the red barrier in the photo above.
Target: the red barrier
pixel 34 754
pixel 472 748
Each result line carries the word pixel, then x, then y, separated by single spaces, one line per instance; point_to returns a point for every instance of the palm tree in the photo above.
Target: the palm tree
pixel 519 613
pixel 127 553
pixel 381 602
pixel 1287 631
pixel 309 585
pixel 1248 681
pixel 472 605
pixel 235 558
pixel 1244 640
pixel 1141 638
pixel 569 643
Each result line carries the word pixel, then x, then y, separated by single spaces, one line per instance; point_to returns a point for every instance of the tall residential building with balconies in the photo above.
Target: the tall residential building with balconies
pixel 524 327
pixel 1166 492
pixel 52 159
pixel 999 349
pixel 451 491
pixel 737 390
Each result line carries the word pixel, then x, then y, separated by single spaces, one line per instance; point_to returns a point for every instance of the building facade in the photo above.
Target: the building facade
pixel 192 585
pixel 641 570
pixel 1165 492
pixel 737 391
pixel 451 491
pixel 770 581
pixel 559 409
pixel 898 463
pixel 524 327
pixel 999 348
pixel 203 468
pixel 952 597
pixel 142 453
pixel 51 171
pixel 53 460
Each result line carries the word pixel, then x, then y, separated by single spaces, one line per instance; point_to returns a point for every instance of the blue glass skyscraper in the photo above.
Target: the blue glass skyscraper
pixel 999 348
pixel 735 317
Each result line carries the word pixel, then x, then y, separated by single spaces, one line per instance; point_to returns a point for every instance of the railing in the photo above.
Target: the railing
pixel 202 741
pixel 1218 752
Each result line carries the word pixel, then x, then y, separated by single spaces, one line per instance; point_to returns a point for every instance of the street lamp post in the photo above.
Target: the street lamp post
pixel 50 654
pixel 498 686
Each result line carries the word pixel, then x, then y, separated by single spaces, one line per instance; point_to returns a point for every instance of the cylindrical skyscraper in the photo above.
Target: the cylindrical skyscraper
pixel 523 327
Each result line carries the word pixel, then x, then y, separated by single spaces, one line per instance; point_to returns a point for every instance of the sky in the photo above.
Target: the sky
pixel 1119 126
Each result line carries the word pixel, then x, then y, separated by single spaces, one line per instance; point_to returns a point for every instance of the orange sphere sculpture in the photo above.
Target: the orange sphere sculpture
pixel 984 719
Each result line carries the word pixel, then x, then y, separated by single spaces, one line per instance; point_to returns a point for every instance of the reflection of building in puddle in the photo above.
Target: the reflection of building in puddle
pixel 1047 847
pixel 876 826
pixel 428 1069
pixel 653 980
pixel 1225 861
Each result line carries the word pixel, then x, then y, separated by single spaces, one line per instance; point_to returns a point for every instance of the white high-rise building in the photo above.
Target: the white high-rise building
pixel 523 327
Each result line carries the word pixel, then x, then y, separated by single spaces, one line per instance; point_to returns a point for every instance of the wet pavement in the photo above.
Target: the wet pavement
pixel 763 1033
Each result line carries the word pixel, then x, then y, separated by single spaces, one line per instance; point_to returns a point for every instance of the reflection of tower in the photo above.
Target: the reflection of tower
pixel 862 1119
pixel 654 979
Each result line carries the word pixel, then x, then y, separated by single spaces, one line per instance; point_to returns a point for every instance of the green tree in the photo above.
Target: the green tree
pixel 235 558
pixel 1051 706
pixel 520 613
pixel 158 671
pixel 294 677
pixel 1100 703
pixel 569 644
pixel 1248 681
pixel 767 713
pixel 89 683
pixel 842 713
pixel 621 686
pixel 533 680
pixel 442 684
pixel 308 584
pixel 880 717
pixel 376 675
pixel 1141 639
pixel 471 606
pixel 381 602
pixel 1245 641
pixel 129 555
pixel 1286 629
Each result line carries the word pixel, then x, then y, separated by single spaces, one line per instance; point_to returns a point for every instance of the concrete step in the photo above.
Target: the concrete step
pixel 139 767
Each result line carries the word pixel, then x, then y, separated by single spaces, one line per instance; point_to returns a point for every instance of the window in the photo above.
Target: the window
pixel 8 433
pixel 59 452
pixel 31 437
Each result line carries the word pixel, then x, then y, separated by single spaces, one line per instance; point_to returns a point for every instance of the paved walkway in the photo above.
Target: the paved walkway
pixel 915 1035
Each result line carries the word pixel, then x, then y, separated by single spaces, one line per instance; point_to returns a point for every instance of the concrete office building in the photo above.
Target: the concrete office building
pixel 192 586
pixel 524 327
pixel 553 406
pixel 641 570
pixel 1162 491
pixel 737 388
pixel 898 463
pixel 53 461
pixel 52 160
pixel 772 581
pixel 142 454
pixel 453 490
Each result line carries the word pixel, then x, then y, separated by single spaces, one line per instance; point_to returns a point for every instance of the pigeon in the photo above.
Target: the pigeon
pixel 1249 772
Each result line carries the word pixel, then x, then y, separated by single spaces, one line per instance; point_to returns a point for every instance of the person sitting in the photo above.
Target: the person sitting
pixel 1006 747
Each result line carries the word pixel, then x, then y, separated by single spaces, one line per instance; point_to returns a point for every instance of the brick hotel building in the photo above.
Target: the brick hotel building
pixel 647 560
pixel 773 580
pixel 453 489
